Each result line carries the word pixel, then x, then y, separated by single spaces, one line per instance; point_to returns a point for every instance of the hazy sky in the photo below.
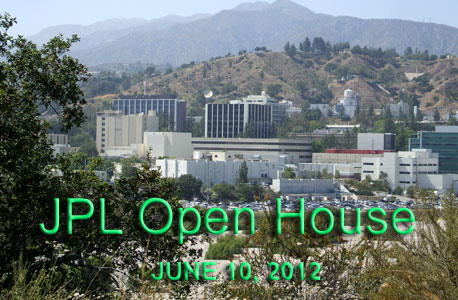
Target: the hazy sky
pixel 35 15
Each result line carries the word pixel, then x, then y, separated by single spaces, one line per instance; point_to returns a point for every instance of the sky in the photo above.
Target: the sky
pixel 33 15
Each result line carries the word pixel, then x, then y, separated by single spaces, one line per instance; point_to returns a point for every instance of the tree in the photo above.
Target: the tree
pixel 288 173
pixel 189 186
pixel 86 261
pixel 437 116
pixel 398 190
pixel 337 174
pixel 388 121
pixel 292 50
pixel 223 192
pixel 319 45
pixel 31 77
pixel 287 47
pixel 243 173
pixel 274 89
pixel 318 146
pixel 307 45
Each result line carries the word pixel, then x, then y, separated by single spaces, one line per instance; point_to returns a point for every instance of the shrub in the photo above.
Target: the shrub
pixel 225 247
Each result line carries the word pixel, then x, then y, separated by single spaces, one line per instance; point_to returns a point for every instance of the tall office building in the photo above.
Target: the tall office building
pixel 230 120
pixel 171 111
pixel 443 141
pixel 116 130
pixel 279 109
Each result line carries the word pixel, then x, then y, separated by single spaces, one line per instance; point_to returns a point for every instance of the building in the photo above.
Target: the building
pixel 400 110
pixel 230 120
pixel 303 186
pixel 167 144
pixel 219 171
pixel 254 115
pixel 295 150
pixel 348 104
pixel 377 141
pixel 117 132
pixel 404 168
pixel 58 139
pixel 322 107
pixel 170 110
pixel 344 156
pixel 343 170
pixel 280 109
pixel 444 141
pixel 59 143
pixel 337 129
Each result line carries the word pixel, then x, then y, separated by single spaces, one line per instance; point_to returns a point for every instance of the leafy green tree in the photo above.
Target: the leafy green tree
pixel 242 176
pixel 398 191
pixel 388 121
pixel 89 148
pixel 87 261
pixel 274 89
pixel 288 173
pixel 31 77
pixel 317 146
pixel 189 186
pixel 223 192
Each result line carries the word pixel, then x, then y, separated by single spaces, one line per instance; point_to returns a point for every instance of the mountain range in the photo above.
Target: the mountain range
pixel 176 40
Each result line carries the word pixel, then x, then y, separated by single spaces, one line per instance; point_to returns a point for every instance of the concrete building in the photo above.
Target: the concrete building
pixel 296 150
pixel 119 131
pixel 220 171
pixel 324 108
pixel 170 110
pixel 377 141
pixel 444 141
pixel 400 110
pixel 344 156
pixel 347 105
pixel 303 186
pixel 167 144
pixel 345 170
pixel 404 168
pixel 58 139
pixel 59 143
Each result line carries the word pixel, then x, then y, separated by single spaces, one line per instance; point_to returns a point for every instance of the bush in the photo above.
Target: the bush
pixel 225 247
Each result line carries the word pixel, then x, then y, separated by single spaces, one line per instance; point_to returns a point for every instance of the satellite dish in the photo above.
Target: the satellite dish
pixel 208 94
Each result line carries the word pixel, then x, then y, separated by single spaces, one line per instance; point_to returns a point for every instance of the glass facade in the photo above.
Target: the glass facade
pixel 444 143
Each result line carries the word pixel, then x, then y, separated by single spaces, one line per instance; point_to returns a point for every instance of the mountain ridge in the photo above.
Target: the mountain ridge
pixel 257 24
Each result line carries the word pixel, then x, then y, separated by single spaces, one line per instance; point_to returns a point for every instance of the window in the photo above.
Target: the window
pixel 367 171
pixel 405 165
pixel 404 173
pixel 368 164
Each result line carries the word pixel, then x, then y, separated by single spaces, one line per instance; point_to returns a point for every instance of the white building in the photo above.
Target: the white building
pixel 347 105
pixel 116 132
pixel 303 186
pixel 400 109
pixel 345 170
pixel 401 168
pixel 324 108
pixel 167 144
pixel 221 171
pixel 377 141
pixel 293 150
pixel 59 143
